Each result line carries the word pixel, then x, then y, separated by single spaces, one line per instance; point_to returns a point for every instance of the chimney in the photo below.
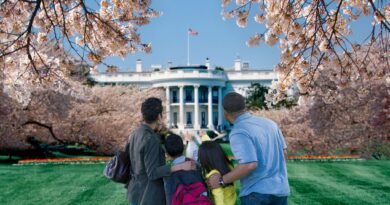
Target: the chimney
pixel 208 64
pixel 138 66
pixel 237 64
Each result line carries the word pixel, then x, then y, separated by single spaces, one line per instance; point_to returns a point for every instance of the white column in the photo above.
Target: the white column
pixel 220 110
pixel 210 110
pixel 196 107
pixel 181 107
pixel 168 106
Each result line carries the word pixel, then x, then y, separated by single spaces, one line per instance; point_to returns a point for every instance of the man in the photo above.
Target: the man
pixel 147 159
pixel 258 145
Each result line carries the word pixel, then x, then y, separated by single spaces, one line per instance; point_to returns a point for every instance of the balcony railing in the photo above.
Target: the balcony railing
pixel 187 74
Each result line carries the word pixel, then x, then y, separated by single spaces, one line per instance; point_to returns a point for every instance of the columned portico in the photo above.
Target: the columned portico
pixel 210 108
pixel 193 93
pixel 168 106
pixel 181 107
pixel 220 110
pixel 196 107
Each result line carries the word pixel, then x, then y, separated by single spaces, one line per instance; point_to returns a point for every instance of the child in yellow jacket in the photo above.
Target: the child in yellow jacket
pixel 213 160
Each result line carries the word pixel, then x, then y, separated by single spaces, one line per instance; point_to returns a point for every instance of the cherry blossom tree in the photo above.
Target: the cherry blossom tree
pixel 313 35
pixel 41 41
pixel 349 114
pixel 102 120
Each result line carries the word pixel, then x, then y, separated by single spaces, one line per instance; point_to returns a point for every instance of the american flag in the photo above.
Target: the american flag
pixel 192 32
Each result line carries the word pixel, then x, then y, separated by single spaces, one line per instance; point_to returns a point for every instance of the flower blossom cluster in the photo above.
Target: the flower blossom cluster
pixel 37 37
pixel 312 35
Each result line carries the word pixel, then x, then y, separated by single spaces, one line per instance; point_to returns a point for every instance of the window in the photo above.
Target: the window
pixel 215 96
pixel 203 95
pixel 189 118
pixel 215 118
pixel 175 119
pixel 203 124
pixel 189 95
pixel 174 97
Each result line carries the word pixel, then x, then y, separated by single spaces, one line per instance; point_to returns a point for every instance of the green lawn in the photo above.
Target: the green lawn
pixel 358 182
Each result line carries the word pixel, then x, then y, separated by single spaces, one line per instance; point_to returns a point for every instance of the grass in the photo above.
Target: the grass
pixel 358 182
pixel 58 184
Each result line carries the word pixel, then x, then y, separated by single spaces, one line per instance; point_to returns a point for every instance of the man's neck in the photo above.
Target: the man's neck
pixel 236 116
pixel 151 125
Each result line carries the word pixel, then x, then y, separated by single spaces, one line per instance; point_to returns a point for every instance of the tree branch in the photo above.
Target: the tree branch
pixel 45 126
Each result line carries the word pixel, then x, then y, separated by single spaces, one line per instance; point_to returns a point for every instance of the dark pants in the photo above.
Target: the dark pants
pixel 263 199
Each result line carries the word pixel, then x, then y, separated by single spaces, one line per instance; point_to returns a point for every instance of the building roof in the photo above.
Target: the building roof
pixel 200 67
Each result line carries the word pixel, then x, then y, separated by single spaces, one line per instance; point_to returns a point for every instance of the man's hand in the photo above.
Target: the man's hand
pixel 185 166
pixel 188 165
pixel 237 173
pixel 213 181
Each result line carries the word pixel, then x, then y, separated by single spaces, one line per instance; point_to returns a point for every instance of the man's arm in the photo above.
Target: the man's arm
pixel 185 166
pixel 237 173
pixel 284 145
pixel 152 160
pixel 245 152
pixel 166 170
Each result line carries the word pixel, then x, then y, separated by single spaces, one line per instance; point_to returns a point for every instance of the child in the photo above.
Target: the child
pixel 213 160
pixel 174 147
pixel 182 181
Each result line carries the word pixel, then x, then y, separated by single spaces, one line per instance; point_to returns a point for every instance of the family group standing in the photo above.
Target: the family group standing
pixel 257 144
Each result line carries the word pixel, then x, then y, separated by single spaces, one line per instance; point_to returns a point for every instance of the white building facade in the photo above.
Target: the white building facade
pixel 193 93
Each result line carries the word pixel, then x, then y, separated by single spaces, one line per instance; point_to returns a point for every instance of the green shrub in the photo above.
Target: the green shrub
pixel 377 149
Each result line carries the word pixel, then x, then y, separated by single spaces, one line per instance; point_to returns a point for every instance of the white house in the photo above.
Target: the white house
pixel 194 93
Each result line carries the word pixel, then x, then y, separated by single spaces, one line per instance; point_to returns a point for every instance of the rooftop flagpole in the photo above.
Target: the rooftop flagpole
pixel 188 47
pixel 190 32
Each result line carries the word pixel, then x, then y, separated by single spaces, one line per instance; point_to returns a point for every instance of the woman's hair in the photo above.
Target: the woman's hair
pixel 211 156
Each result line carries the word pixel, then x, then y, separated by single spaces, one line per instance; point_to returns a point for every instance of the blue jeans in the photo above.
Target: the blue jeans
pixel 263 199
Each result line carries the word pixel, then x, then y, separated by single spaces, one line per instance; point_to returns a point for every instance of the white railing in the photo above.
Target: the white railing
pixel 121 77
pixel 184 74
pixel 251 75
pixel 187 74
